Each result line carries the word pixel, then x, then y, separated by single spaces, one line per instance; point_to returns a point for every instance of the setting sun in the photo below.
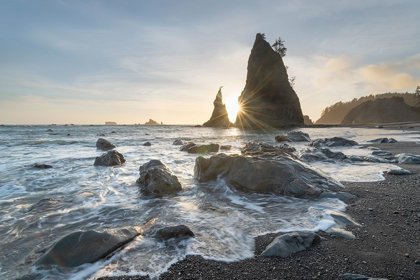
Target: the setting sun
pixel 232 108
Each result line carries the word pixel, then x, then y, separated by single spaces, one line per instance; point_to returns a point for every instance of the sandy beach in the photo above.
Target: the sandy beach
pixel 386 246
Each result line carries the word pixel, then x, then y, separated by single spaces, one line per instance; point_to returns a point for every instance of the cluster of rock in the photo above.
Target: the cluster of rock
pixel 193 148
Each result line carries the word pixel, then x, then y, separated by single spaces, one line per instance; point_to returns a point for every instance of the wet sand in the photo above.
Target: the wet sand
pixel 386 246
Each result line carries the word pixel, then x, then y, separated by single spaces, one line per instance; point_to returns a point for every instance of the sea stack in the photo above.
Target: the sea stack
pixel 219 118
pixel 268 100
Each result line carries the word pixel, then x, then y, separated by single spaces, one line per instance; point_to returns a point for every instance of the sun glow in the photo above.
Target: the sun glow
pixel 232 108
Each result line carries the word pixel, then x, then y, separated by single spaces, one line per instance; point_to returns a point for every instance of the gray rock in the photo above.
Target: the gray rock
pixel 333 155
pixel 253 148
pixel 298 136
pixel 343 220
pixel 374 159
pixel 104 145
pixel 187 146
pixel 110 158
pixel 355 158
pixel 381 153
pixel 339 232
pixel 42 166
pixel 178 232
pixel 281 175
pixel 332 142
pixel 204 149
pixel 86 247
pixel 290 243
pixel 281 138
pixel 147 144
pixel 350 276
pixel 399 172
pixel 178 142
pixel 156 179
pixel 286 147
pixel 383 140
pixel 408 158
pixel 323 154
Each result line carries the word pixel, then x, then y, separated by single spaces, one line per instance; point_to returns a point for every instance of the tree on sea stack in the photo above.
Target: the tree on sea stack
pixel 268 99
pixel 279 47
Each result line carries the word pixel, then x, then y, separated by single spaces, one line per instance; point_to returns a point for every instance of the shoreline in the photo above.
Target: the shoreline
pixel 386 246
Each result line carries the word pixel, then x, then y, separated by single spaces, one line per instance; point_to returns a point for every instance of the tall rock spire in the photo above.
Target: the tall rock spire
pixel 268 100
pixel 219 118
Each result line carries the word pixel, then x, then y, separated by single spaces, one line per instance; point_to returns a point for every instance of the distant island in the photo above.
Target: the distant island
pixel 110 123
pixel 153 122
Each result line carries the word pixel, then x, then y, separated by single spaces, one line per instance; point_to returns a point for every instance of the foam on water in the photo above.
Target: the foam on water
pixel 84 197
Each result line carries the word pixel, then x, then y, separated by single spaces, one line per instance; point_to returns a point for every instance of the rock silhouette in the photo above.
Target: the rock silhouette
pixel 267 100
pixel 219 118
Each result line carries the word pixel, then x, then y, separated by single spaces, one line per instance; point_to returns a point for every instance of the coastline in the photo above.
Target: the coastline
pixel 386 246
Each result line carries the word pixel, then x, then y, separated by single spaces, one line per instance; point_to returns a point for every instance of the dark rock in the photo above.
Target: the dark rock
pixel 408 158
pixel 219 118
pixel 332 142
pixel 178 142
pixel 307 120
pixel 197 125
pixel 158 180
pixel 86 247
pixel 204 149
pixel 187 146
pixel 286 147
pixel 334 155
pixel 350 276
pixel 113 132
pixel 381 153
pixel 50 130
pixel 298 136
pixel 290 243
pixel 226 147
pixel 178 232
pixel 375 159
pixel 42 166
pixel 104 145
pixel 323 154
pixel 281 138
pixel 281 175
pixel 264 149
pixel 399 172
pixel 110 158
pixel 147 144
pixel 382 110
pixel 383 140
pixel 355 158
pixel 267 100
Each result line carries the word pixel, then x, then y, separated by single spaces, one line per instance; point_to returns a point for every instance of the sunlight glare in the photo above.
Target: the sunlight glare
pixel 232 108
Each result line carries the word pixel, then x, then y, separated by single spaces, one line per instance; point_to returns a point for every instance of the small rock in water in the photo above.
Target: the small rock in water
pixel 147 144
pixel 225 147
pixel 110 158
pixel 298 136
pixel 381 153
pixel 383 140
pixel 289 243
pixel 178 232
pixel 333 142
pixel 103 144
pixel 178 142
pixel 399 172
pixel 204 149
pixel 187 146
pixel 42 166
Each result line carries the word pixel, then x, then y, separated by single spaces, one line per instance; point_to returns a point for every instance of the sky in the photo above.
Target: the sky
pixel 87 62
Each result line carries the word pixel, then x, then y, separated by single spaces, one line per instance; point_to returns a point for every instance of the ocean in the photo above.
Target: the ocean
pixel 86 197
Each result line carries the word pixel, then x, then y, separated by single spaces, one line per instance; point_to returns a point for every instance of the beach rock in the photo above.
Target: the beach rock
pixel 339 232
pixel 355 158
pixel 323 154
pixel 187 146
pixel 286 147
pixel 226 147
pixel 381 153
pixel 382 110
pixel 399 172
pixel 158 180
pixel 334 155
pixel 375 159
pixel 86 247
pixel 42 166
pixel 255 149
pixel 219 117
pixel 267 100
pixel 178 232
pixel 147 144
pixel 280 175
pixel 350 276
pixel 383 140
pixel 110 158
pixel 333 142
pixel 298 136
pixel 343 220
pixel 104 145
pixel 290 243
pixel 307 120
pixel 281 138
pixel 408 158
pixel 178 142
pixel 204 149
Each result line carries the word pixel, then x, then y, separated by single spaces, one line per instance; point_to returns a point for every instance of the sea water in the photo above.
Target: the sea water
pixel 86 197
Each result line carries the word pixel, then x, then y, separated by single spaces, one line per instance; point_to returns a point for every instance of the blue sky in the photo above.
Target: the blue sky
pixel 128 61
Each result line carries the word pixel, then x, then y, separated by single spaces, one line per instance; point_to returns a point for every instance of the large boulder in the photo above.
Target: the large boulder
pixel 86 247
pixel 267 100
pixel 219 118
pixel 333 142
pixel 204 149
pixel 382 110
pixel 290 243
pixel 110 158
pixel 103 144
pixel 279 174
pixel 157 179
pixel 178 232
